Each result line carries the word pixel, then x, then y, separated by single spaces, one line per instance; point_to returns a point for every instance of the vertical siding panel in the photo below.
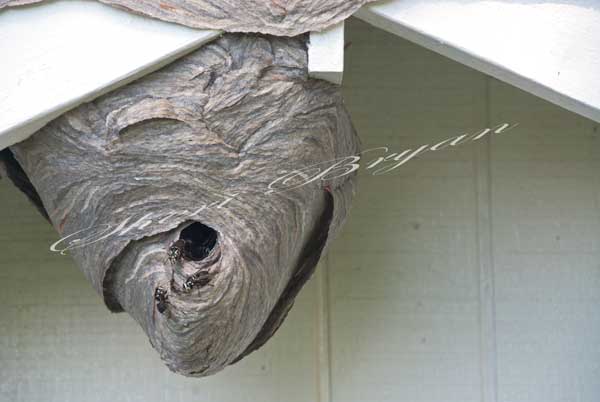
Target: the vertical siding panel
pixel 546 230
pixel 323 338
pixel 485 261
pixel 404 276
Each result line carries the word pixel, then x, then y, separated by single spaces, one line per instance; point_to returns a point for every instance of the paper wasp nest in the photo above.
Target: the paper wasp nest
pixel 276 17
pixel 161 189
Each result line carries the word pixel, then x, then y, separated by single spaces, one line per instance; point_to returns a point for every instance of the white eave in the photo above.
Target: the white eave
pixel 57 55
pixel 548 48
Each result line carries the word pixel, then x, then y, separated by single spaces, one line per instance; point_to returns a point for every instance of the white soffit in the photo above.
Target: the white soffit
pixel 57 55
pixel 549 48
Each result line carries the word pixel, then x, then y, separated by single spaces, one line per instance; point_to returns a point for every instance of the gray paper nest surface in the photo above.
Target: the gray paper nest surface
pixel 276 17
pixel 190 152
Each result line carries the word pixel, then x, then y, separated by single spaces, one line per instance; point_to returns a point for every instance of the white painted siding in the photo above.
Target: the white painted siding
pixel 469 274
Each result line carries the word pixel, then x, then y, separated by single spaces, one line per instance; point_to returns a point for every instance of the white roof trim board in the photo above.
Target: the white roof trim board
pixel 550 49
pixel 58 55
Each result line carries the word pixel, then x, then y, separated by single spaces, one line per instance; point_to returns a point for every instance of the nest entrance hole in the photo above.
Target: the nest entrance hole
pixel 199 241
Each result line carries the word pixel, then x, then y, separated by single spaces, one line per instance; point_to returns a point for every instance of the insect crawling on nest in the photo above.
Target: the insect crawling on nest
pixel 200 278
pixel 176 251
pixel 161 299
pixel 189 250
